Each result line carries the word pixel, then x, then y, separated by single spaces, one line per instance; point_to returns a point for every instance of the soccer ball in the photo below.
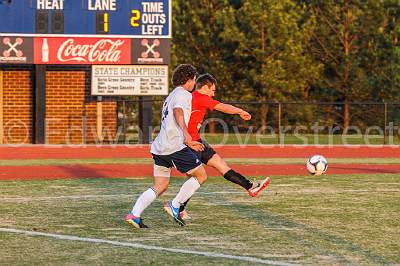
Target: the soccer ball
pixel 317 165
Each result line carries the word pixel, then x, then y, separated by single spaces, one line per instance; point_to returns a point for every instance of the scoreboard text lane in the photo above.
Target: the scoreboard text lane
pixel 139 18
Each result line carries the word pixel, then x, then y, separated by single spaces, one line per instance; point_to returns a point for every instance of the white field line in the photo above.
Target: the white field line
pixel 147 247
pixel 78 197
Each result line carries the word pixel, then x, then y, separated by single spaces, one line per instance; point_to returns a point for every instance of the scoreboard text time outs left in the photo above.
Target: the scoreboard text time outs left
pixel 111 18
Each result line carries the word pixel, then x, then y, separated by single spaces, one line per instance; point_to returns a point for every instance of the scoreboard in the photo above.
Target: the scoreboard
pixel 114 18
pixel 101 33
pixel 85 32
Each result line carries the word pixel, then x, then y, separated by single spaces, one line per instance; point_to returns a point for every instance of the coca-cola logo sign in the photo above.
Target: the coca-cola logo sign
pixel 101 51
pixel 82 51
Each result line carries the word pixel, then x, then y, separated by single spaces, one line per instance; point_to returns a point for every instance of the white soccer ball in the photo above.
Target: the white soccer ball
pixel 317 165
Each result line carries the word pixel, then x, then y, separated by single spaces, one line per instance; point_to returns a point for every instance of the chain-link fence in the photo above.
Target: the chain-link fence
pixel 310 123
pixel 281 123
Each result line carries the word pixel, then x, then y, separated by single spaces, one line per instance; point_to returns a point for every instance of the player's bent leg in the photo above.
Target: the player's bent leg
pixel 186 192
pixel 199 173
pixel 252 188
pixel 183 213
pixel 161 178
pixel 188 188
pixel 145 199
pixel 161 182
pixel 218 163
pixel 186 162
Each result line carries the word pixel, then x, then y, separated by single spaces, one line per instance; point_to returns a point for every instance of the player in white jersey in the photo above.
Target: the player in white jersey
pixel 172 148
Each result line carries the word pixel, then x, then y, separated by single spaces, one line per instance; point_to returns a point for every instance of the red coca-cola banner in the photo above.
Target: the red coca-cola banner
pixel 87 51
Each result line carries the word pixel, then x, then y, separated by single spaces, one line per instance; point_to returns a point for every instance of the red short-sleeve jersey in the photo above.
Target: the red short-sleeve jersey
pixel 200 104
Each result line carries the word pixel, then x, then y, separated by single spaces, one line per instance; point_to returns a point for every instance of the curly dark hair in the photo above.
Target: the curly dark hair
pixel 205 79
pixel 182 74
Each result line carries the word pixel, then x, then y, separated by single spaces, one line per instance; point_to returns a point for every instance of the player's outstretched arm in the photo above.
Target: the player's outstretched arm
pixel 180 120
pixel 233 110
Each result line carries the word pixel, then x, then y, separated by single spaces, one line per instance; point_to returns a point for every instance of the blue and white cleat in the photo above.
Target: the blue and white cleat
pixel 134 221
pixel 174 213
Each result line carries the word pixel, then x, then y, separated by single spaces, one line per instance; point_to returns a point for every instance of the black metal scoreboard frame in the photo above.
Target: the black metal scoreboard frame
pixel 90 32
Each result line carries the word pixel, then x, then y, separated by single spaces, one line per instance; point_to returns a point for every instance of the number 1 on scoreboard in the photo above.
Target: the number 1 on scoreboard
pixel 105 22
pixel 101 23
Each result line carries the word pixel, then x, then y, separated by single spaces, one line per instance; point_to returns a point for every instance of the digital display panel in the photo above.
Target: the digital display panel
pixel 104 18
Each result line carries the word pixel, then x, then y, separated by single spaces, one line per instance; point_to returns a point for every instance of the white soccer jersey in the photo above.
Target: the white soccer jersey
pixel 170 139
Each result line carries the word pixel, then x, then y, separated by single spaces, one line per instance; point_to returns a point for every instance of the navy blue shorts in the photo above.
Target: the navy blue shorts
pixel 206 154
pixel 184 160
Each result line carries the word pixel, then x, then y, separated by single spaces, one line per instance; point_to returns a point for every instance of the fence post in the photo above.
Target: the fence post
pixel 385 135
pixel 145 119
pixel 124 119
pixel 99 118
pixel 279 122
pixel 39 99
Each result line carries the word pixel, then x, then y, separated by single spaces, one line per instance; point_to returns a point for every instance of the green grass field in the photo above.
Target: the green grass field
pixel 334 219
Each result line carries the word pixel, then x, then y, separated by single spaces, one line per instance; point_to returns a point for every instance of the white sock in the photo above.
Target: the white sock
pixel 144 201
pixel 187 190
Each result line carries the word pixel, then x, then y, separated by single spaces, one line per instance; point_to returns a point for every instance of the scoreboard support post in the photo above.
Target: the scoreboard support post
pixel 39 115
pixel 145 119
pixel 99 119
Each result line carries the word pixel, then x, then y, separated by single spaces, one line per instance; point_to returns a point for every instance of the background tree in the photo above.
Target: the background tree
pixel 196 38
pixel 351 42
pixel 294 50
pixel 270 37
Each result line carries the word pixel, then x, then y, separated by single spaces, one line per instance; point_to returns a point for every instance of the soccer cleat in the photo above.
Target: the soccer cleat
pixel 173 212
pixel 136 222
pixel 184 215
pixel 253 192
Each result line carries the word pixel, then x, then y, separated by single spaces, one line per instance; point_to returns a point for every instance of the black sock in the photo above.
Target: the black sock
pixel 237 178
pixel 182 207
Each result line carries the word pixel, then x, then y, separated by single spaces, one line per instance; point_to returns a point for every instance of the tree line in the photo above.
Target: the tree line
pixel 293 50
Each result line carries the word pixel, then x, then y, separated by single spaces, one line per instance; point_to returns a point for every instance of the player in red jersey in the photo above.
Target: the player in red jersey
pixel 202 100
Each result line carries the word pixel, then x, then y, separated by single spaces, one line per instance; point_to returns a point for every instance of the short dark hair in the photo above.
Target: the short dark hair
pixel 182 74
pixel 205 79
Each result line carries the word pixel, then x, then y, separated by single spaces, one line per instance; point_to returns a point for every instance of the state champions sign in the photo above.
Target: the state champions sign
pixel 82 51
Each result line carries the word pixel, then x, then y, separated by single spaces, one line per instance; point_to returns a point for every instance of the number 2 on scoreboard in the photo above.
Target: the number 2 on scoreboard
pixel 135 17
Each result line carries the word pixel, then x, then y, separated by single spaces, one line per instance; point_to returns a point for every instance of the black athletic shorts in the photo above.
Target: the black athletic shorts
pixel 205 155
pixel 184 160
